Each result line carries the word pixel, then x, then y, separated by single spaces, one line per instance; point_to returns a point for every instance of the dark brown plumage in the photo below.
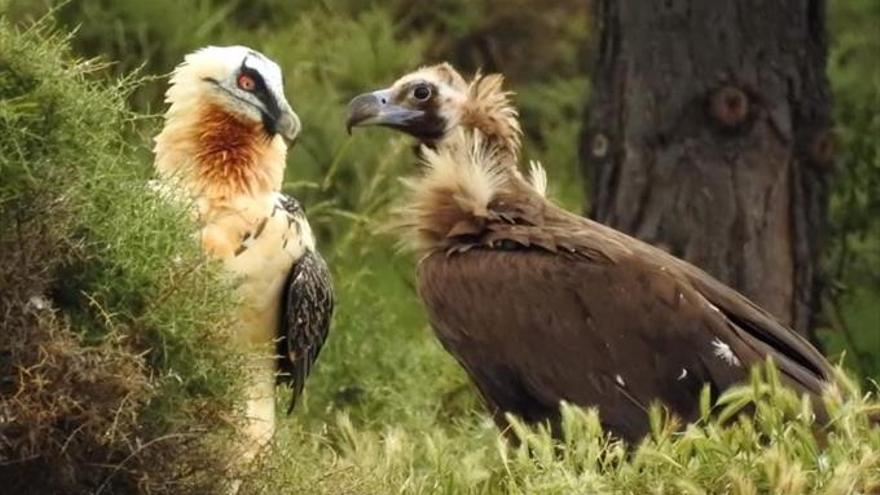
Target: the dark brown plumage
pixel 306 314
pixel 540 305
pixel 544 307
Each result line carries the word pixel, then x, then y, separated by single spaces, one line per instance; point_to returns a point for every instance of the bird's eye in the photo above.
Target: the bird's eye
pixel 246 82
pixel 421 92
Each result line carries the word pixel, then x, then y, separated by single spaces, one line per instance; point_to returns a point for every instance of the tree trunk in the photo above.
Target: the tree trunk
pixel 709 136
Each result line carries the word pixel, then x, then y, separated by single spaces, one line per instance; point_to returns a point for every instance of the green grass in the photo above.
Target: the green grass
pixel 780 451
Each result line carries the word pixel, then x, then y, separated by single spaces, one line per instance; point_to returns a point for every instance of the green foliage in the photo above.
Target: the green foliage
pixel 552 114
pixel 140 390
pixel 781 451
pixel 853 265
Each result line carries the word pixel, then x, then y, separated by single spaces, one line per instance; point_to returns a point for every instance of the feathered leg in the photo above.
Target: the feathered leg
pixel 260 410
pixel 259 426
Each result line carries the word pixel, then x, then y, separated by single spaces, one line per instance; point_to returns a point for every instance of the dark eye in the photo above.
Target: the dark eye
pixel 421 92
pixel 246 82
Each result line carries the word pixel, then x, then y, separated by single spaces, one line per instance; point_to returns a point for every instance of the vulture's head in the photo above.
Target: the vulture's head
pixel 432 102
pixel 228 121
pixel 426 104
pixel 237 80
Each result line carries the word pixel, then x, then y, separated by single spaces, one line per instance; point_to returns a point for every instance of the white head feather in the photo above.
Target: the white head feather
pixel 210 78
pixel 220 66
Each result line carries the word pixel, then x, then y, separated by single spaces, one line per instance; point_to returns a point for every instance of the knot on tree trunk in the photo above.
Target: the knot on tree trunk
pixel 822 148
pixel 599 145
pixel 729 106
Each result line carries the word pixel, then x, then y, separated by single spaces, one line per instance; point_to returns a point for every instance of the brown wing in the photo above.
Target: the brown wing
pixel 534 327
pixel 800 362
pixel 795 356
pixel 305 321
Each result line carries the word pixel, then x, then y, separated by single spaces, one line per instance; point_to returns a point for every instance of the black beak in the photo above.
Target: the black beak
pixel 376 109
pixel 362 109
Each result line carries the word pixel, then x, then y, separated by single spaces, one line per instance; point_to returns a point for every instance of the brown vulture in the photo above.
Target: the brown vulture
pixel 221 155
pixel 541 305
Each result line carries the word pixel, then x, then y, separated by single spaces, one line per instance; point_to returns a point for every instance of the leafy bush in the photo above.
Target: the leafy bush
pixel 115 376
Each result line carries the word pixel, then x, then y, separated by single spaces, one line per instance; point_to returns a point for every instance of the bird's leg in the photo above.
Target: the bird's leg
pixel 260 408
pixel 259 419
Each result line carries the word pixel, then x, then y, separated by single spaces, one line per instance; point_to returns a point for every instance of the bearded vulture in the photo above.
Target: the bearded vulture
pixel 540 305
pixel 222 154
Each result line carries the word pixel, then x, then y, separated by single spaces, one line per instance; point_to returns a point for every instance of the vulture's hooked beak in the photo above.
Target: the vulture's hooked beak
pixel 376 108
pixel 288 124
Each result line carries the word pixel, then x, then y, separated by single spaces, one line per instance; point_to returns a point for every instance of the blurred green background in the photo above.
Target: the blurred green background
pixel 381 365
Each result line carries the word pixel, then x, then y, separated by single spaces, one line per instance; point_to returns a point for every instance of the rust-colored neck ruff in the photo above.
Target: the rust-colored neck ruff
pixel 230 154
pixel 218 155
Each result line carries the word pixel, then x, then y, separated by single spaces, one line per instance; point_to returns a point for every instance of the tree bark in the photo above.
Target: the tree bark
pixel 709 135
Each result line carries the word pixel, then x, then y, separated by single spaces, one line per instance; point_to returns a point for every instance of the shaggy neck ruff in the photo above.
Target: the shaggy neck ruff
pixel 214 153
pixel 463 187
pixel 489 110
pixel 451 195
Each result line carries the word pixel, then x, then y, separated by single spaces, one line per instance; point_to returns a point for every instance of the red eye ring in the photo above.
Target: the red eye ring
pixel 246 82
